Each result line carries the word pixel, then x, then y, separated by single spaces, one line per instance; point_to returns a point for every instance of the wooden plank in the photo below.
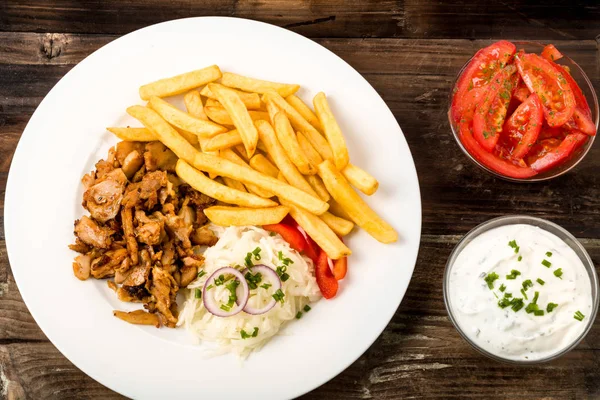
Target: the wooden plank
pixel 577 19
pixel 414 78
pixel 418 347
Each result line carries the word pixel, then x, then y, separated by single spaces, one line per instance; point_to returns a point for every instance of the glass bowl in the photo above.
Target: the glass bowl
pixel 551 227
pixel 588 90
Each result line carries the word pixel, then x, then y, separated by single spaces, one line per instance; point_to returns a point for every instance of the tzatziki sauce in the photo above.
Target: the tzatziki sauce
pixel 519 292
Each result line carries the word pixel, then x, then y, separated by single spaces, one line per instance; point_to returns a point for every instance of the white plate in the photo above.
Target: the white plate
pixel 66 136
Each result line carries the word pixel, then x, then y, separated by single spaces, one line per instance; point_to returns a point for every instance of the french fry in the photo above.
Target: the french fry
pixel 203 184
pixel 317 184
pixel 240 150
pixel 239 115
pixel 220 115
pixel 180 83
pixel 261 164
pixel 305 111
pixel 213 103
pixel 133 134
pixel 360 179
pixel 313 155
pixel 183 120
pixel 272 109
pixel 340 226
pixel 230 155
pixel 190 137
pixel 300 124
pixel 250 100
pixel 354 205
pixel 219 166
pixel 289 170
pixel 319 231
pixel 336 209
pixel 232 183
pixel 332 131
pixel 289 142
pixel 223 141
pixel 193 104
pixel 257 85
pixel 238 216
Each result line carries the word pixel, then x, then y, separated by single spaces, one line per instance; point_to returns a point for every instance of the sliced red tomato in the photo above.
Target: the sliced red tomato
pixel 580 99
pixel 290 234
pixel 488 159
pixel 582 116
pixel 325 279
pixel 544 79
pixel 548 132
pixel 524 125
pixel 551 53
pixel 522 92
pixel 490 113
pixel 340 268
pixel 478 73
pixel 553 152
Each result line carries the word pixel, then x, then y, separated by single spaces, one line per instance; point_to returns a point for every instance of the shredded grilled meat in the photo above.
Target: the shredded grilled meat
pixel 143 224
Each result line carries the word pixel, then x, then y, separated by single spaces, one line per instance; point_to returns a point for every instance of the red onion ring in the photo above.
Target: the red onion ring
pixel 241 292
pixel 273 278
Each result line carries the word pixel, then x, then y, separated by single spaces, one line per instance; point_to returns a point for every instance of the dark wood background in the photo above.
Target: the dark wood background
pixel 410 52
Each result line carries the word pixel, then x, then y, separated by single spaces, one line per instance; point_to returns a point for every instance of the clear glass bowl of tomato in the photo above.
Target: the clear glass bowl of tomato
pixel 548 140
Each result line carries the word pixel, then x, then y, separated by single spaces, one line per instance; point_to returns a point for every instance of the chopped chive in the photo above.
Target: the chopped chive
pixel 550 307
pixel 527 284
pixel 508 295
pixel 541 282
pixel 253 280
pixel 502 288
pixel 225 307
pixel 579 316
pixel 198 293
pixel 220 280
pixel 246 335
pixel 513 274
pixel 272 234
pixel 284 277
pixel 548 254
pixel 209 287
pixel 538 313
pixel 520 258
pixel 255 332
pixel 201 273
pixel 535 297
pixel 256 253
pixel 524 294
pixel 248 260
pixel 546 263
pixel 558 273
pixel 490 278
pixel 517 304
pixel 299 315
pixel 266 285
pixel 513 244
pixel 495 295
pixel 279 296
pixel 307 308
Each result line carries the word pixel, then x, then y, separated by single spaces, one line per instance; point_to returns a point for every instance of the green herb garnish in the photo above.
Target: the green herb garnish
pixel 248 260
pixel 558 273
pixel 541 282
pixel 220 280
pixel 548 254
pixel 279 296
pixel 253 280
pixel 513 274
pixel 490 278
pixel 517 304
pixel 513 244
pixel 527 284
pixel 579 316
pixel 266 285
pixel 307 308
pixel 550 307
pixel 245 335
pixel 198 293
pixel 299 315
pixel 256 253
pixel 286 261
pixel 520 258
pixel 502 288
pixel 524 294
pixel 546 263
pixel 201 273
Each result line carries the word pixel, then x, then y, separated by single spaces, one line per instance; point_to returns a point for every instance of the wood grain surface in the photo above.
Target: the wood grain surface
pixel 410 51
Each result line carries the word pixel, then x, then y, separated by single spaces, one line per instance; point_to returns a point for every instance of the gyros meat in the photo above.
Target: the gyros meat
pixel 144 230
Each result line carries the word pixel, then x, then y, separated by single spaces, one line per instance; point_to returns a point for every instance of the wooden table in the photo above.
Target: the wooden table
pixel 410 51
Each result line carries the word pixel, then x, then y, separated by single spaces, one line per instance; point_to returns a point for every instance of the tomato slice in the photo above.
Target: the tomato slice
pixel 549 133
pixel 522 92
pixel 551 53
pixel 325 279
pixel 289 234
pixel 582 116
pixel 490 113
pixel 524 125
pixel 553 89
pixel 554 152
pixel 490 160
pixel 478 73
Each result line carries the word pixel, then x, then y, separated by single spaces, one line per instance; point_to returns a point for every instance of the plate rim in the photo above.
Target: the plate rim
pixel 97 53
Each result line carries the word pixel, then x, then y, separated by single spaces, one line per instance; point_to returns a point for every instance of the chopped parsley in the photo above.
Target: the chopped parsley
pixel 558 273
pixel 579 316
pixel 513 274
pixel 550 307
pixel 245 335
pixel 540 281
pixel 546 263
pixel 490 278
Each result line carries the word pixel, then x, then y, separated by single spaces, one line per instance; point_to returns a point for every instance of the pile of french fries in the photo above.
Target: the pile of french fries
pixel 254 145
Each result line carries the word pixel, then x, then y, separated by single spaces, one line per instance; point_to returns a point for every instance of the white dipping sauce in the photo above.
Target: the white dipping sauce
pixel 502 331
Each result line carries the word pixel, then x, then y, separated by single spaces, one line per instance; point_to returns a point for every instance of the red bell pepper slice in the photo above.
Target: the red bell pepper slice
pixel 524 125
pixel 289 234
pixel 325 279
pixel 311 249
pixel 559 154
pixel 549 83
pixel 490 113
pixel 340 268
pixel 490 160
pixel 478 73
